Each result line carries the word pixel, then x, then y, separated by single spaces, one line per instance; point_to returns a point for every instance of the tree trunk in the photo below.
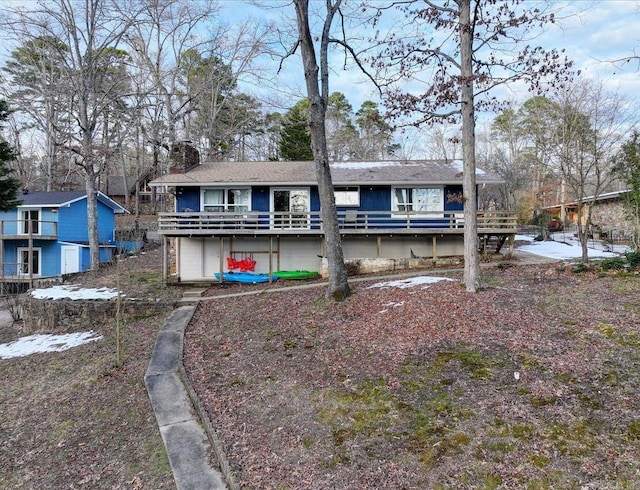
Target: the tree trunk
pixel 338 286
pixel 584 226
pixel 471 256
pixel 92 216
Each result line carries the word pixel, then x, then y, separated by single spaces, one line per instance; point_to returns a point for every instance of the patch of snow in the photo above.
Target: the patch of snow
pixel 45 343
pixel 74 292
pixel 409 282
pixel 370 164
pixel 459 166
pixel 565 246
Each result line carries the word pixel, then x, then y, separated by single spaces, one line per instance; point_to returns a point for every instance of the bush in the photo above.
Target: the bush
pixel 633 259
pixel 582 268
pixel 613 264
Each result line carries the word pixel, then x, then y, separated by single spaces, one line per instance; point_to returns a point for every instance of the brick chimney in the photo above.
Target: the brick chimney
pixel 183 157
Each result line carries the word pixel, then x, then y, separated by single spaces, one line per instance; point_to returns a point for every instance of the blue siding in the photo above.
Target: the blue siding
pixel 372 199
pixel 106 224
pixel 72 228
pixel 260 199
pixel 377 198
pixel 450 192
pixel 188 198
pixel 12 224
pixel 73 223
pixel 49 256
pixel 85 259
pixel 10 227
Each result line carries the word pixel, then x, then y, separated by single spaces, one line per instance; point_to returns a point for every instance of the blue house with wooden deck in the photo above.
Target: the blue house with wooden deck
pixel 270 212
pixel 47 235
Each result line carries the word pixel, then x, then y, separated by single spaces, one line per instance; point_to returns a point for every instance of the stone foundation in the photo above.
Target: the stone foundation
pixel 65 316
pixel 368 266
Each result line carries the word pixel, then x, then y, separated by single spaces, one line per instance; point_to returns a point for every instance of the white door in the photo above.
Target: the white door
pixel 290 208
pixel 70 259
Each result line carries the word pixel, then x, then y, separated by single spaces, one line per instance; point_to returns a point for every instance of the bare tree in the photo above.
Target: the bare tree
pixel 591 127
pixel 191 63
pixel 161 32
pixel 82 34
pixel 463 49
pixel 317 82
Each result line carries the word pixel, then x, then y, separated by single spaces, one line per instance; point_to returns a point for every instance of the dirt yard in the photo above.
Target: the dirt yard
pixel 71 419
pixel 531 383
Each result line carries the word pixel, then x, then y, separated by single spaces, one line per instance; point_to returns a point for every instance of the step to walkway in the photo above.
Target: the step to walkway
pixel 191 296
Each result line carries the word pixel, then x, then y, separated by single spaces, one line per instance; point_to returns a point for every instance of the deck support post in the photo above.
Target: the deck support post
pixel 271 259
pixel 512 239
pixel 165 261
pixel 2 260
pixel 434 247
pixel 378 247
pixel 221 264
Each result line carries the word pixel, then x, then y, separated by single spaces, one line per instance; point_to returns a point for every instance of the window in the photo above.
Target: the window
pixel 418 199
pixel 219 200
pixel 30 221
pixel 347 196
pixel 26 266
pixel 290 208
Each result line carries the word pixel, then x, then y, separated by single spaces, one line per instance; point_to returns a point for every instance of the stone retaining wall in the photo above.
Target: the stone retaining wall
pixel 369 266
pixel 65 315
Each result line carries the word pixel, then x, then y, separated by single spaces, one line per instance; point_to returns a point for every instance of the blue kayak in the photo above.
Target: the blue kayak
pixel 245 277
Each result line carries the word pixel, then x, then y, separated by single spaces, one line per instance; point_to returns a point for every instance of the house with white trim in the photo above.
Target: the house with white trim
pixel 270 212
pixel 47 235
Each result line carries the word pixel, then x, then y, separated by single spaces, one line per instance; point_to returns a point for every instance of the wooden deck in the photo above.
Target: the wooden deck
pixel 192 224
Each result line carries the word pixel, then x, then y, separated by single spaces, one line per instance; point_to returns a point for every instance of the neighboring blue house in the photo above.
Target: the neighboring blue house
pixel 47 235
pixel 270 212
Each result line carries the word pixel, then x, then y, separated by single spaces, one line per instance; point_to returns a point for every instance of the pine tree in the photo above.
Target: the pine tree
pixel 8 185
pixel 295 139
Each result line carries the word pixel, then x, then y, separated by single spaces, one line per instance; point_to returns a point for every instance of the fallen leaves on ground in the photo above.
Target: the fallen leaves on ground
pixel 530 383
pixel 71 419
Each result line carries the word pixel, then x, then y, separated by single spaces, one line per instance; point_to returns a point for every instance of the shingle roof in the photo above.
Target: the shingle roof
pixel 59 198
pixel 55 198
pixel 303 173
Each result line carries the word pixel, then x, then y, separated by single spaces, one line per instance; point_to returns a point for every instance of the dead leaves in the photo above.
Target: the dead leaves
pixel 266 364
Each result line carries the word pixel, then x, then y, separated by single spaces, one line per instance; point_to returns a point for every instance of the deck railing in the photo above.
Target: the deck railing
pixel 352 221
pixel 28 228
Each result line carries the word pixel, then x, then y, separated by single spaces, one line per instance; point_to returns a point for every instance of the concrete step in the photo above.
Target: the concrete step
pixel 191 296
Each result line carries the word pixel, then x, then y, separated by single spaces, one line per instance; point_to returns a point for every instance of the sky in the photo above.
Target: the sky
pixel 592 32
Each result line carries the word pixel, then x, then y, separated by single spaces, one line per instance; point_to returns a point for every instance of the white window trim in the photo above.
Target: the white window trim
pixel 356 190
pixel 431 214
pixel 19 251
pixel 272 206
pixel 224 192
pixel 22 221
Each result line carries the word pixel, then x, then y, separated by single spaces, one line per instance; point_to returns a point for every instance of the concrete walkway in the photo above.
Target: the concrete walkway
pixel 186 442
